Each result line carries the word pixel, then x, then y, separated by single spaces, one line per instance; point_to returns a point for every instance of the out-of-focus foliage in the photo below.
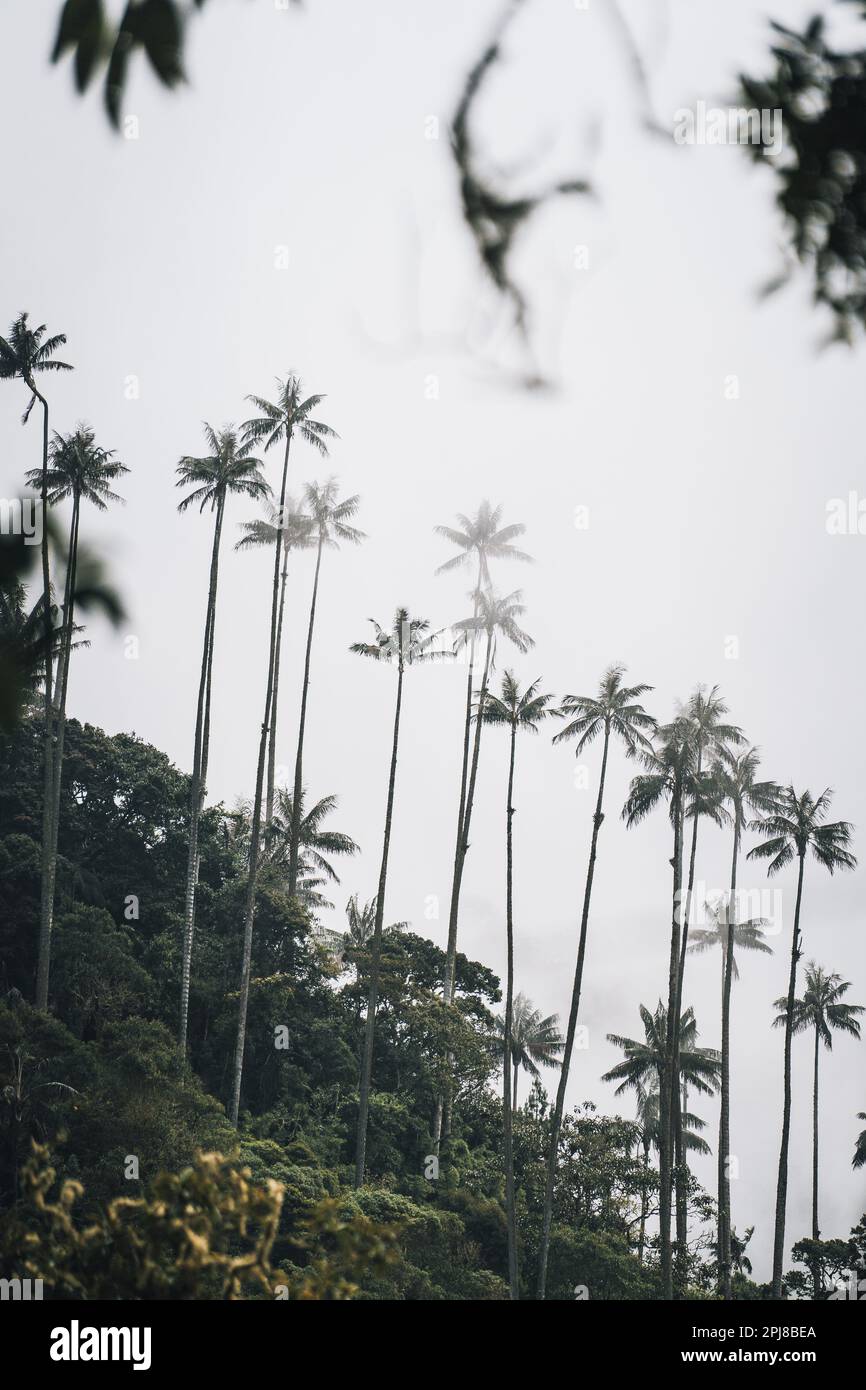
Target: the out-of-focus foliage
pixel 155 28
pixel 206 1232
pixel 821 173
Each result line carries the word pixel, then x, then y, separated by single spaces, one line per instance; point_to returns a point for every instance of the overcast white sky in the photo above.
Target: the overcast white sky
pixel 306 130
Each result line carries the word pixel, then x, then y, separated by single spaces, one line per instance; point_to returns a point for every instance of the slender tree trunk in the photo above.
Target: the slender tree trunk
pixel 680 1175
pixel 199 774
pixel 59 703
pixel 782 1181
pixel 643 1204
pixel 376 953
pixel 724 1177
pixel 256 828
pixel 67 590
pixel 46 908
pixel 459 847
pixel 668 1078
pixel 816 1234
pixel 682 1208
pixel 295 837
pixel 467 795
pixel 272 738
pixel 556 1117
pixel 510 1210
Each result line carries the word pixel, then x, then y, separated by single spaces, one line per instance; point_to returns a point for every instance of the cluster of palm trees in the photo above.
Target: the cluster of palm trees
pixel 698 767
pixel 76 468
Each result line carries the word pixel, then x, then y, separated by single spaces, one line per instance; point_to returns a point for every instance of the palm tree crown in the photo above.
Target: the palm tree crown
pixel 407 642
pixel 496 615
pixel 644 1061
pixel 706 712
pixel 290 414
pixel 228 468
pixel 26 352
pixel 536 1041
pixel 330 517
pixel 519 711
pixel 614 708
pixel 821 1007
pixel 748 936
pixel 483 538
pixel 296 526
pixel 318 843
pixel 797 825
pixel 79 468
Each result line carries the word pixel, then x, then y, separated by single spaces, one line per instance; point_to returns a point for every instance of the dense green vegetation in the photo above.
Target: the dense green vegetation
pixel 101 1080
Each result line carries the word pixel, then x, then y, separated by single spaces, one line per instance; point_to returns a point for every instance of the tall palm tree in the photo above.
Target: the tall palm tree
pixel 408 642
pixel 614 711
pixel 297 535
pixel 821 1009
pixel 712 736
pixel 226 469
pixel 279 422
pixel 797 825
pixel 645 1066
pixel 24 355
pixel 859 1158
pixel 331 519
pixel 736 780
pixel 79 470
pixel 671 777
pixel 493 617
pixel 518 713
pixel 706 711
pixel 536 1041
pixel 479 539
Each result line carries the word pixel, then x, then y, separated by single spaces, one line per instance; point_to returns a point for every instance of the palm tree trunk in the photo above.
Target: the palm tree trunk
pixel 375 957
pixel 678 1149
pixel 459 849
pixel 58 722
pixel 782 1181
pixel 63 678
pixel 556 1118
pixel 67 590
pixel 643 1205
pixel 467 796
pixel 816 1268
pixel 668 1078
pixel 272 741
pixel 197 783
pixel 256 828
pixel 682 1210
pixel 724 1177
pixel 511 1215
pixel 46 909
pixel 295 836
